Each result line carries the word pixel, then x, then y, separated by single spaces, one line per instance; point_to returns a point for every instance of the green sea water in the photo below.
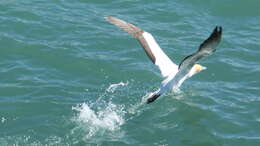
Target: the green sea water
pixel 67 77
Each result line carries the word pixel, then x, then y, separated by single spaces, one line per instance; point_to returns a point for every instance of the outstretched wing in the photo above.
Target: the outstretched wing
pixel 207 48
pixel 152 49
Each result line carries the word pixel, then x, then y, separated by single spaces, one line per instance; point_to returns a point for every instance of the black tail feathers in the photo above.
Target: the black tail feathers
pixel 153 98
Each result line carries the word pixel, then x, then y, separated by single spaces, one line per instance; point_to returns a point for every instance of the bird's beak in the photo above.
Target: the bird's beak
pixel 203 67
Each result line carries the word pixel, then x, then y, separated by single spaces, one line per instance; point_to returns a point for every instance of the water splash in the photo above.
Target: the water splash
pixel 105 116
pixel 3 120
pixel 101 119
pixel 113 87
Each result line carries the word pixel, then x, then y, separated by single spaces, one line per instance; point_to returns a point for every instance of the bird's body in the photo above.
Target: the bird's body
pixel 174 75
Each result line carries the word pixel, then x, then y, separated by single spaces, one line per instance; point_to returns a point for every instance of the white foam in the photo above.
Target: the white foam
pixel 113 87
pixel 3 120
pixel 109 118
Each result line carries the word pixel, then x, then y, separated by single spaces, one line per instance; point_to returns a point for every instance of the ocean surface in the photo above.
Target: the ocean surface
pixel 68 77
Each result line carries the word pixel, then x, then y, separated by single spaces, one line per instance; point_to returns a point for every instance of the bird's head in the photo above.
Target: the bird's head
pixel 196 69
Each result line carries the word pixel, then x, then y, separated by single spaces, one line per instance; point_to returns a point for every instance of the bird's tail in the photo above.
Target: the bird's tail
pixel 153 97
pixel 166 84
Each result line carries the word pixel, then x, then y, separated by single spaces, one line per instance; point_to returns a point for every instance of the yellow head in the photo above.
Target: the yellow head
pixel 196 69
pixel 199 68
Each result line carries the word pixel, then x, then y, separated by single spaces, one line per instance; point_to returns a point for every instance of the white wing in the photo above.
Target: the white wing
pixel 164 63
pixel 152 49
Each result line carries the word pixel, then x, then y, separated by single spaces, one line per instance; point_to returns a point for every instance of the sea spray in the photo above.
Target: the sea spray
pixel 106 115
pixel 113 87
pixel 99 120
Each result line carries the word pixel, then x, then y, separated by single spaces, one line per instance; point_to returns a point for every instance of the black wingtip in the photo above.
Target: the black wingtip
pixel 217 32
pixel 153 98
pixel 220 32
pixel 218 29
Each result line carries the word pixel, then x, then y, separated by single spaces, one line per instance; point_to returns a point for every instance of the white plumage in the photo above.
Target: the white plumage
pixel 174 75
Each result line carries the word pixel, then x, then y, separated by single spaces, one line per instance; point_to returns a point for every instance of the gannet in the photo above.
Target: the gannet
pixel 174 75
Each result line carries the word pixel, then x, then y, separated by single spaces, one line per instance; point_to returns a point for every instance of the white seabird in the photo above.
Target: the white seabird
pixel 174 74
